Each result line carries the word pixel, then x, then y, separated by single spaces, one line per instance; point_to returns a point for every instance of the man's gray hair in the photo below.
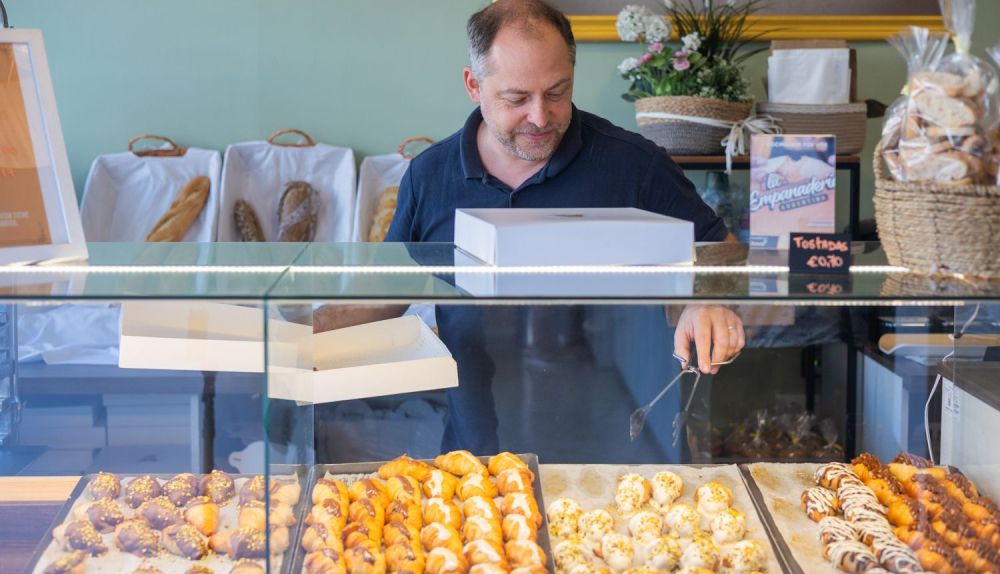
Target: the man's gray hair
pixel 483 27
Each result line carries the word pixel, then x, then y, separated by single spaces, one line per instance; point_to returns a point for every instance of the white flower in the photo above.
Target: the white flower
pixel 657 29
pixel 631 22
pixel 691 42
pixel 627 65
pixel 668 4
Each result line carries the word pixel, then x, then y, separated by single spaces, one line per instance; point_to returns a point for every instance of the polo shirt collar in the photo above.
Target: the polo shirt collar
pixel 472 164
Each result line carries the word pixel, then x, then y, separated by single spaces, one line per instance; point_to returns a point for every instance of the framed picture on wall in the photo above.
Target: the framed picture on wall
pixel 39 215
pixel 594 20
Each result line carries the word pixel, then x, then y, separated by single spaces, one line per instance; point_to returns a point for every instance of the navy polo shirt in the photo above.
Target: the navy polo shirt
pixel 597 164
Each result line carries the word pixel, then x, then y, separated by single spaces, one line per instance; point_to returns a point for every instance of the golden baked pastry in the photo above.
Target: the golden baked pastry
pixel 476 484
pixel 285 492
pixel 700 553
pixel 218 486
pixel 182 212
pixel 445 561
pixel 324 561
pixel 384 212
pixel 247 223
pixel 440 484
pixel 326 488
pixel 362 560
pixel 459 463
pixel 247 567
pixel 406 466
pixel 328 512
pixel 159 513
pixel 104 485
pixel 298 212
pixel 203 514
pixel 728 526
pixel 594 524
pixel 437 535
pixel 479 528
pixel 80 535
pixel 396 532
pixel 487 568
pixel 199 569
pixel 480 506
pixel 484 552
pixel 505 461
pixel 184 540
pixel 682 520
pixel 243 543
pixel 444 511
pixel 141 489
pixel 181 488
pixel 713 497
pixel 406 511
pixel 644 526
pixel 664 554
pixel 568 554
pixel 364 510
pixel 404 558
pixel 522 553
pixel 744 556
pixel 370 488
pixel 515 480
pixel 564 517
pixel 136 537
pixel 631 493
pixel 360 531
pixel 403 488
pixel 318 536
pixel 104 514
pixel 521 503
pixel 73 563
pixel 518 527
pixel 666 488
pixel 818 502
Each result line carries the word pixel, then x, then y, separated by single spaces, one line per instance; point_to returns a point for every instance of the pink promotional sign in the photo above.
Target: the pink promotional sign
pixel 793 187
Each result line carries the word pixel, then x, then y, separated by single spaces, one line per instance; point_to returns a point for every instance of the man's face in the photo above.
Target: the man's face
pixel 526 95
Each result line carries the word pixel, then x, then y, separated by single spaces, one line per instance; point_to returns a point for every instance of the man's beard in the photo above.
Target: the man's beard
pixel 509 142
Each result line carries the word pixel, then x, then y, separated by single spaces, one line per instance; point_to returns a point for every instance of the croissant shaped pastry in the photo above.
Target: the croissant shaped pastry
pixel 407 512
pixel 404 558
pixel 203 514
pixel 181 488
pixel 484 552
pixel 141 489
pixel 445 561
pixel 253 489
pixel 104 485
pixel 160 513
pixel 72 563
pixel 521 503
pixel 444 511
pixel 147 569
pixel 365 509
pixel 370 488
pixel 252 514
pixel 396 532
pixel 405 466
pixel 199 569
pixel 285 492
pixel 518 527
pixel 104 514
pixel 505 461
pixel 479 506
pixel 404 488
pixel 487 568
pixel 459 462
pixel 479 528
pixel 476 484
pixel 218 486
pixel 522 553
pixel 184 540
pixel 240 543
pixel 539 569
pixel 359 533
pixel 329 512
pixel 80 535
pixel 318 536
pixel 514 480
pixel 440 484
pixel 247 567
pixel 324 561
pixel 327 488
pixel 362 560
pixel 436 535
pixel 136 537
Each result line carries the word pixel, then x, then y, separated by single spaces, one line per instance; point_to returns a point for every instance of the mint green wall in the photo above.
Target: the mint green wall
pixel 359 73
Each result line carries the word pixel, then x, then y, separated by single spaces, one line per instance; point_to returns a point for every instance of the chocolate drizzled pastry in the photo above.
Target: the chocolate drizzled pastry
pixel 240 543
pixel 199 569
pixel 218 486
pixel 80 535
pixel 160 513
pixel 253 489
pixel 136 537
pixel 72 563
pixel 185 540
pixel 247 567
pixel 181 488
pixel 104 514
pixel 141 489
pixel 104 485
pixel 912 460
pixel 324 561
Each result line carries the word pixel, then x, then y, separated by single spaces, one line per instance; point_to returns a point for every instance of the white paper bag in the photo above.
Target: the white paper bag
pixel 126 194
pixel 258 173
pixel 809 76
pixel 379 172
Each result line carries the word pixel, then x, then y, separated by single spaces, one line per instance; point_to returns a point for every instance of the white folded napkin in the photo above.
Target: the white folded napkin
pixel 810 76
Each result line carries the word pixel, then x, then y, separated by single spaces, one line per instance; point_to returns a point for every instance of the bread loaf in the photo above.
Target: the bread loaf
pixel 298 212
pixel 384 213
pixel 183 211
pixel 943 111
pixel 247 223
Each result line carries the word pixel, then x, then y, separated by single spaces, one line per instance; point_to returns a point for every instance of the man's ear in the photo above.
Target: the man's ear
pixel 471 84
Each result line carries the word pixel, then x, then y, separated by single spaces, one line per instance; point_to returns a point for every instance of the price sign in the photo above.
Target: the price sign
pixel 819 253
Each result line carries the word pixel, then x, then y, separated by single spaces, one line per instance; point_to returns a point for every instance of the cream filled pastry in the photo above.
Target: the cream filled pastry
pixel 568 554
pixel 618 551
pixel 744 557
pixel 667 487
pixel 664 553
pixel 835 529
pixel 524 553
pixel 728 526
pixel 645 525
pixel 713 497
pixel 632 492
pixel 700 553
pixel 682 520
pixel 594 524
pixel 518 527
pixel 564 516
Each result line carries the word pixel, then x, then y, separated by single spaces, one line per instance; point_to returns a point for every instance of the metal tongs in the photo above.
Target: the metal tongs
pixel 637 421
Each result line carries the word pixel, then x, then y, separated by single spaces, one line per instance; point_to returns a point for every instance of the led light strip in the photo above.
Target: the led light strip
pixel 428 269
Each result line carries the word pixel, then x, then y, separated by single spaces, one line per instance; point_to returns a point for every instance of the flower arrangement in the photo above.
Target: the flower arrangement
pixel 708 64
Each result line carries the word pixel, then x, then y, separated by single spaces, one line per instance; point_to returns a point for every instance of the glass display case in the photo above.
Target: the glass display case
pixel 317 367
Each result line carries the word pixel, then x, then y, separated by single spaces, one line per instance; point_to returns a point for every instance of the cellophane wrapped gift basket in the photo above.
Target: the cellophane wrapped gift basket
pixel 937 199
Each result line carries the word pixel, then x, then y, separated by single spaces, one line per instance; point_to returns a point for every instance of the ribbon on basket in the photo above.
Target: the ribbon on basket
pixel 737 142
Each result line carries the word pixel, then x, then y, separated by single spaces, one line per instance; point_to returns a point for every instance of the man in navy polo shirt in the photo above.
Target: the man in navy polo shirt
pixel 527 145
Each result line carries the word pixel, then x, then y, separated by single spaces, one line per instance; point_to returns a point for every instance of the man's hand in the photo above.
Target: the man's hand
pixel 717 333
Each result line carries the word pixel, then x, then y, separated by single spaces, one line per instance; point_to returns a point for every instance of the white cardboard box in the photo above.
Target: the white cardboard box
pixel 382 358
pixel 588 236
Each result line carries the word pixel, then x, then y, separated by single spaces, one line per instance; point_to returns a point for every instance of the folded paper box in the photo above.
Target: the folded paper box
pixel 383 358
pixel 591 236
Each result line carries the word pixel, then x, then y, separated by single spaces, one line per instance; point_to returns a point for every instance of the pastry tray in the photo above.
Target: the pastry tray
pixel 117 561
pixel 350 472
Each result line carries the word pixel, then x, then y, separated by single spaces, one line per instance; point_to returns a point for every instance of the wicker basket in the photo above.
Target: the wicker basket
pixel 930 228
pixel 846 121
pixel 681 137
